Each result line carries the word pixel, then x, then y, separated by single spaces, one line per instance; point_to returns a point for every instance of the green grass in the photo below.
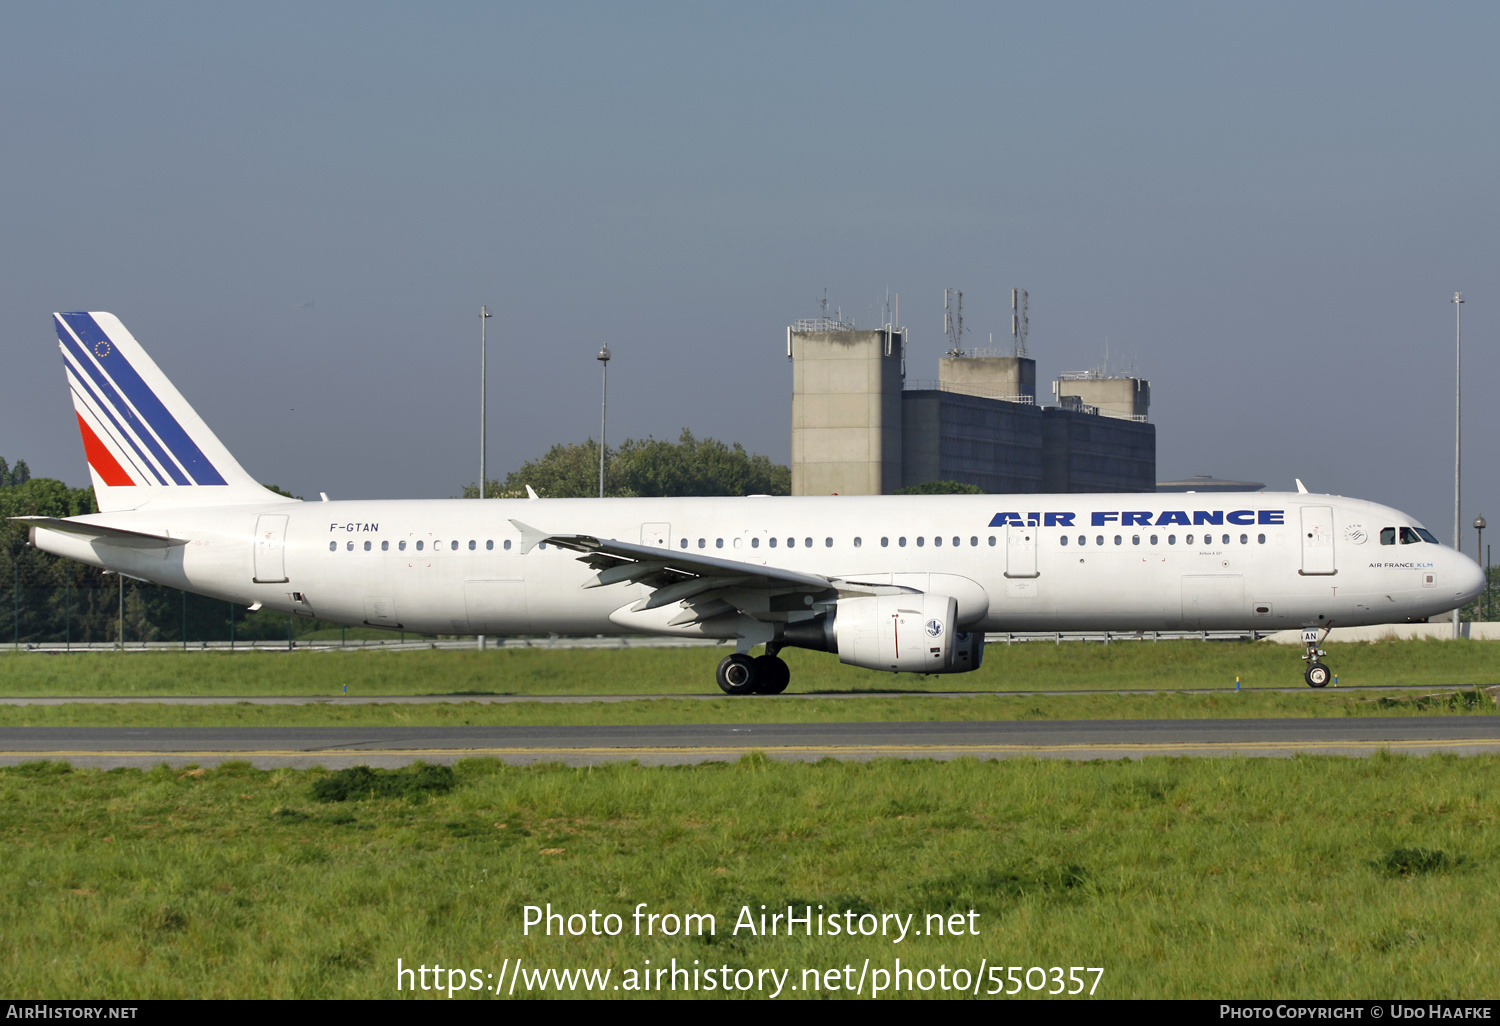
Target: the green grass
pixel 871 709
pixel 1307 877
pixel 1030 666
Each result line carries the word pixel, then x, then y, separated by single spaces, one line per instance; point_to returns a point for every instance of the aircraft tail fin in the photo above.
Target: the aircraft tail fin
pixel 143 441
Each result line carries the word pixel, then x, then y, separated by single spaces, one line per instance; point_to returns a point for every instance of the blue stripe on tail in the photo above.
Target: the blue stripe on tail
pixel 144 399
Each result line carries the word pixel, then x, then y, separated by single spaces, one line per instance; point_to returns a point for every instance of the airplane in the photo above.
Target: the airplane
pixel 896 583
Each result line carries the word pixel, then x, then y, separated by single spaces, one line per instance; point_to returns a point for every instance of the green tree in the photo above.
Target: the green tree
pixel 940 488
pixel 640 467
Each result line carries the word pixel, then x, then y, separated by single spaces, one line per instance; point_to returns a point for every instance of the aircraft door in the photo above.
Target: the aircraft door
pixel 1211 601
pixel 1317 540
pixel 656 535
pixel 1020 551
pixel 270 548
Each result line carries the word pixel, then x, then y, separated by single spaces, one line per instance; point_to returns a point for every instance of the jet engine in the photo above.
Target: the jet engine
pixel 911 633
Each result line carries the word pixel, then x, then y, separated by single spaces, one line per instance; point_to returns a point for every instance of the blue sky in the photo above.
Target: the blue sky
pixel 300 208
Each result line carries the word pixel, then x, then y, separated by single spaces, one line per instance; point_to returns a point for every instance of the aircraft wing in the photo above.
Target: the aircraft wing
pixel 707 586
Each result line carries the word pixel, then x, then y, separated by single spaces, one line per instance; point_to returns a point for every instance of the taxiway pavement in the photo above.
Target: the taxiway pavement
pixel 387 746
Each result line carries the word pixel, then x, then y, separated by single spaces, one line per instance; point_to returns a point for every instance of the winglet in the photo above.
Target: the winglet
pixel 1301 488
pixel 530 494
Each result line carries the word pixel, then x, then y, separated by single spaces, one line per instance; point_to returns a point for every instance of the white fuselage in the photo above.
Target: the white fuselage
pixel 1123 562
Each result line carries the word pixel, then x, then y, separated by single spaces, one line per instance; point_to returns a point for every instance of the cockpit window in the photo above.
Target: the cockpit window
pixel 1428 536
pixel 1387 536
pixel 1410 537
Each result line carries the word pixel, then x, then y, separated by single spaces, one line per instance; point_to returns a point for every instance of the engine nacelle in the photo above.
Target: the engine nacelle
pixel 910 633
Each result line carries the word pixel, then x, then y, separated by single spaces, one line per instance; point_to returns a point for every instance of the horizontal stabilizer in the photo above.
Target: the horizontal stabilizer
pixel 108 535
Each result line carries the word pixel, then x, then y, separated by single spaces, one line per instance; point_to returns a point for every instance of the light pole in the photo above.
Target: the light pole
pixel 1479 526
pixel 484 315
pixel 603 359
pixel 1458 352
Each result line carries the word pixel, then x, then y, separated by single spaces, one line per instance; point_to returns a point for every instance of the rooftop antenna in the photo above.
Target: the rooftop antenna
pixel 953 320
pixel 823 303
pixel 1020 324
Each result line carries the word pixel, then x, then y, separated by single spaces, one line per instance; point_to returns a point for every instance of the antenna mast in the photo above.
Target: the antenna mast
pixel 953 320
pixel 1020 324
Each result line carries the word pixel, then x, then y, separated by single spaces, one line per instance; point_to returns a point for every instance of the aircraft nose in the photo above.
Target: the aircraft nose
pixel 1468 577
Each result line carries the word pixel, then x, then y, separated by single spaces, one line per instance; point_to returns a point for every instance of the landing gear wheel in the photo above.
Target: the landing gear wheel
pixel 1317 675
pixel 772 675
pixel 737 674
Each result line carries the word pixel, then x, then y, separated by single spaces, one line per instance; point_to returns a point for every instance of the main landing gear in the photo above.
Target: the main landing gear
pixel 740 674
pixel 1317 673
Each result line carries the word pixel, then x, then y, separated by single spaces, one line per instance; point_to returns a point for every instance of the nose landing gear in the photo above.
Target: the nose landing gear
pixel 1317 673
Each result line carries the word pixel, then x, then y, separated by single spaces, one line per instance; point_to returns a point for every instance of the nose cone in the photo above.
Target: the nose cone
pixel 1468 578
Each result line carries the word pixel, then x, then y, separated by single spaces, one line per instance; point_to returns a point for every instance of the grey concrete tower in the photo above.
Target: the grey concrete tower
pixel 846 408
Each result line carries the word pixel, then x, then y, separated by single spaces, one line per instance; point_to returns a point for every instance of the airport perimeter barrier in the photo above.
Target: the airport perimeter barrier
pixel 138 616
pixel 411 643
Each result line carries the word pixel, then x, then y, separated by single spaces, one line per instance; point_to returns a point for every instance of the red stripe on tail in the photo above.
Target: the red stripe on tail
pixel 100 458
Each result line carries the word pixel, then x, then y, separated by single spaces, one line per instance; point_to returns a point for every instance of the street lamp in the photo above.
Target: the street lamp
pixel 484 315
pixel 603 359
pixel 1479 526
pixel 1458 337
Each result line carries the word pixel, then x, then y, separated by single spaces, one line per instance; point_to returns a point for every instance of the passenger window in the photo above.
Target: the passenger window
pixel 401 546
pixel 367 546
pixel 1261 539
pixel 901 541
pixel 1171 539
pixel 828 543
pixel 807 542
pixel 791 543
pixel 858 541
pixel 702 543
pixel 938 541
pixel 1135 539
pixel 507 545
pixel 1064 539
pixel 1083 539
pixel 1387 536
pixel 333 546
pixel 541 545
pixel 974 541
pixel 755 543
pixel 772 542
pixel 921 541
pixel 1244 539
pixel 1099 539
pixel 739 543
pixel 992 541
pixel 489 544
pixel 718 543
pixel 454 545
pixel 1190 539
pixel 885 542
pixel 1117 539
pixel 683 543
pixel 419 546
pixel 1153 539
pixel 1226 539
pixel 472 544
pixel 1409 537
pixel 351 546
